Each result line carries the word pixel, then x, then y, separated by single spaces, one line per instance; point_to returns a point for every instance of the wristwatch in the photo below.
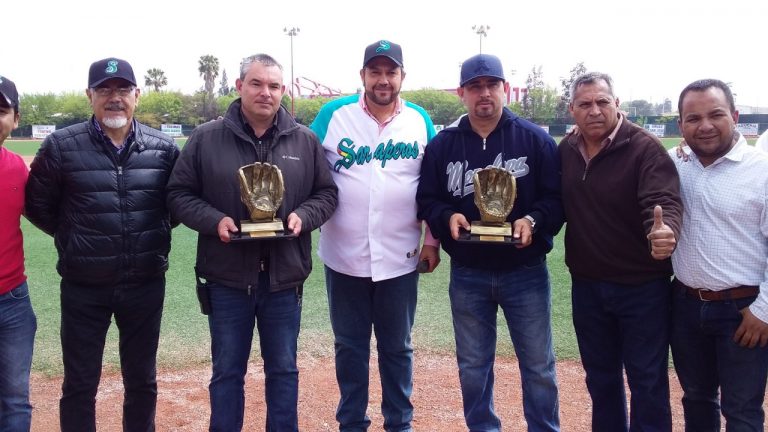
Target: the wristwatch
pixel 530 219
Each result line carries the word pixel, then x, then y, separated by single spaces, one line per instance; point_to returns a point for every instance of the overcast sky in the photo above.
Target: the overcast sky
pixel 652 48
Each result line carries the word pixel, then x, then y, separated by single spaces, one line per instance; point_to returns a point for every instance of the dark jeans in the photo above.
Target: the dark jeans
pixel 625 328
pixel 523 294
pixel 277 315
pixel 706 358
pixel 17 338
pixel 356 305
pixel 86 313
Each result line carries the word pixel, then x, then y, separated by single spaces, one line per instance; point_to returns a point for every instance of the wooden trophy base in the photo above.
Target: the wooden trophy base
pixel 480 232
pixel 254 231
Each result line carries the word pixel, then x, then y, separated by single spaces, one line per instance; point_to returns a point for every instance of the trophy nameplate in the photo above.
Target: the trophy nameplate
pixel 261 190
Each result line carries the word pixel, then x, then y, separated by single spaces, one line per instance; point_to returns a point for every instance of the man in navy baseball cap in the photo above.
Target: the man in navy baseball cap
pixel 481 65
pixel 99 188
pixel 8 91
pixel 109 68
pixel 383 48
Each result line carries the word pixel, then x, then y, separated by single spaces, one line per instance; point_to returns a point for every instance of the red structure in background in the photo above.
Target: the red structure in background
pixel 312 89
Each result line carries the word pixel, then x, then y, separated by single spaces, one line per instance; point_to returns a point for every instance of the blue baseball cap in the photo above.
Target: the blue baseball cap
pixel 481 65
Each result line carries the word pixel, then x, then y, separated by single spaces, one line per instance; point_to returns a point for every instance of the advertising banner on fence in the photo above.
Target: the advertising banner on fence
pixel 747 129
pixel 173 130
pixel 656 129
pixel 42 131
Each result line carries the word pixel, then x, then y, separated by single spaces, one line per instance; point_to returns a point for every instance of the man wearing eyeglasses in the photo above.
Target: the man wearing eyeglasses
pixel 98 188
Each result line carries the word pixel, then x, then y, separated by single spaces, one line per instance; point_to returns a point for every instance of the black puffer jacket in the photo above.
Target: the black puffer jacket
pixel 203 189
pixel 105 211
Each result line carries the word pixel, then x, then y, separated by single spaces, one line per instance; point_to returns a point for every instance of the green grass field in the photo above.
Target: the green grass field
pixel 185 341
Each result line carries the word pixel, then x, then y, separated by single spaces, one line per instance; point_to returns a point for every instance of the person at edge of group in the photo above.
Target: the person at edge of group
pixel 623 211
pixel 762 141
pixel 375 143
pixel 253 283
pixel 18 323
pixel 720 308
pixel 486 277
pixel 98 188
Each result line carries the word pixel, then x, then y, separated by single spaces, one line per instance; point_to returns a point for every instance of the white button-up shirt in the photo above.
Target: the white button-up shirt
pixel 724 238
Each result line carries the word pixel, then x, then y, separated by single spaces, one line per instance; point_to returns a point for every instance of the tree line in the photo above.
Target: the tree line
pixel 541 102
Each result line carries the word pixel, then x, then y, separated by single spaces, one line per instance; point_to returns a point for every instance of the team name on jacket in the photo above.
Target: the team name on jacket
pixel 454 170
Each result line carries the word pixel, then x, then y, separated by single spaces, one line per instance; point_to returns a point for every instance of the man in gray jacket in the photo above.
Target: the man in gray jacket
pixel 259 283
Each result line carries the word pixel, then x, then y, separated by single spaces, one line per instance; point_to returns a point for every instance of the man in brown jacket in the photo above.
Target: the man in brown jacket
pixel 621 196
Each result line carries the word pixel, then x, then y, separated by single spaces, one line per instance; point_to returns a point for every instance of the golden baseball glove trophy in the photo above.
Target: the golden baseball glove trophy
pixel 495 193
pixel 261 190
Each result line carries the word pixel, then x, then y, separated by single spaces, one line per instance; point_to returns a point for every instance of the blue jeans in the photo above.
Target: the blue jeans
pixel 706 357
pixel 86 314
pixel 17 338
pixel 277 316
pixel 625 328
pixel 356 305
pixel 524 296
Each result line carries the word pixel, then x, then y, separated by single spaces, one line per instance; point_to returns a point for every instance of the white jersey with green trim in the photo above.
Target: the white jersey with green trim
pixel 374 231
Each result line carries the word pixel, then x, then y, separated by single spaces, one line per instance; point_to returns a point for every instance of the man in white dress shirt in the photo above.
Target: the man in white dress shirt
pixel 762 141
pixel 720 318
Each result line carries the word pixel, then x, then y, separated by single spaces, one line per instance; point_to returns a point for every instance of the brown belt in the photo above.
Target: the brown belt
pixel 702 294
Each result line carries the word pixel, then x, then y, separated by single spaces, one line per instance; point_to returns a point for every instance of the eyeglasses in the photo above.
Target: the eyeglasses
pixel 109 91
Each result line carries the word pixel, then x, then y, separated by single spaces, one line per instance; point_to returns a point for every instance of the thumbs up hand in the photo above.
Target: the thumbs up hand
pixel 661 237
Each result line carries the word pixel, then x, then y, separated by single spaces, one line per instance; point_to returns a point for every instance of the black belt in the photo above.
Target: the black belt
pixel 703 294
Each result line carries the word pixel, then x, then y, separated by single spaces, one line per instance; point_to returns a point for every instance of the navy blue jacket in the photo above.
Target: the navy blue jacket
pixel 457 152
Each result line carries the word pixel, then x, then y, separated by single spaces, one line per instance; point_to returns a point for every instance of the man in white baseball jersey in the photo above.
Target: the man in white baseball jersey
pixel 375 143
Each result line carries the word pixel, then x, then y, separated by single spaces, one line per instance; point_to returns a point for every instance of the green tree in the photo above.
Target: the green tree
pixel 208 67
pixel 38 109
pixel 155 78
pixel 307 109
pixel 224 88
pixel 565 95
pixel 543 102
pixel 639 107
pixel 74 107
pixel 193 107
pixel 443 107
pixel 157 108
pixel 223 102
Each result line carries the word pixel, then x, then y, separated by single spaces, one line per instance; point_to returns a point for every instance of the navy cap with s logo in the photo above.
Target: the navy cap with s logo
pixel 384 48
pixel 109 68
pixel 8 91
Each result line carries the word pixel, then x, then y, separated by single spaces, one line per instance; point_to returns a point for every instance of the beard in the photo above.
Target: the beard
pixel 382 100
pixel 115 122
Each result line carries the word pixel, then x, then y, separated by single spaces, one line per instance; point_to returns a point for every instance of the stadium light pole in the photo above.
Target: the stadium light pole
pixel 481 31
pixel 293 31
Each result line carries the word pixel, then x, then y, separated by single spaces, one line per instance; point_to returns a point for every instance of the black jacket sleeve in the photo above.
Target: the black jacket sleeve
pixel 431 203
pixel 44 187
pixel 185 189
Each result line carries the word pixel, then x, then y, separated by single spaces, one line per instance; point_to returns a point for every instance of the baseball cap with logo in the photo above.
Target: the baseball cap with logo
pixel 9 93
pixel 481 65
pixel 386 49
pixel 109 68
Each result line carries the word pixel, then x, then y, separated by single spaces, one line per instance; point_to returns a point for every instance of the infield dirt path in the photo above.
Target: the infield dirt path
pixel 183 398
